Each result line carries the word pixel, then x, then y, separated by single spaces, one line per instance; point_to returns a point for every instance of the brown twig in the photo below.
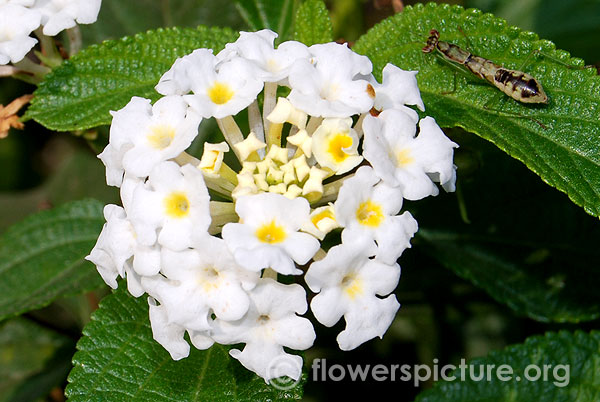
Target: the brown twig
pixel 8 115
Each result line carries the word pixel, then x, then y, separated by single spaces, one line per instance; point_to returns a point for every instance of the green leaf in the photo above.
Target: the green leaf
pixel 313 24
pixel 70 182
pixel 41 258
pixel 83 90
pixel 571 362
pixel 540 292
pixel 118 360
pixel 541 262
pixel 559 141
pixel 33 360
pixel 275 15
pixel 119 18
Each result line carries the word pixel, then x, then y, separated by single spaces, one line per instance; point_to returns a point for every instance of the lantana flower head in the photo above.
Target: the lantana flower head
pixel 332 151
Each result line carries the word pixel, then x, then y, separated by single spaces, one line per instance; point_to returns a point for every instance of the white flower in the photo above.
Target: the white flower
pixel 349 283
pixel 143 135
pixel 367 209
pixel 24 3
pixel 404 160
pixel 272 65
pixel 328 86
pixel 335 145
pixel 16 23
pixel 268 235
pixel 115 248
pixel 219 89
pixel 63 14
pixel 270 325
pixel 170 335
pixel 200 281
pixel 175 200
pixel 177 80
pixel 398 88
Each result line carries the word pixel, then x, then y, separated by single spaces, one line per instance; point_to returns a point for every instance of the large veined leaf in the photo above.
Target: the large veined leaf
pixel 559 366
pixel 559 141
pixel 540 261
pixel 117 360
pixel 41 258
pixel 276 15
pixel 542 293
pixel 313 24
pixel 81 92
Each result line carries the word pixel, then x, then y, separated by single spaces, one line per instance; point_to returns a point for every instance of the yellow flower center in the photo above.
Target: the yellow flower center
pixel 177 205
pixel 337 144
pixel 330 92
pixel 161 136
pixel 352 285
pixel 271 233
pixel 208 278
pixel 404 157
pixel 369 214
pixel 220 93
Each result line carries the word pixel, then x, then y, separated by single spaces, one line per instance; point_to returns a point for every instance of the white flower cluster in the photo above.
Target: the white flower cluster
pixel 208 242
pixel 19 18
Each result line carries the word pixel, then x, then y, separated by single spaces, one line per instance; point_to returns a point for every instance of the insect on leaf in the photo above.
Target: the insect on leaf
pixel 559 141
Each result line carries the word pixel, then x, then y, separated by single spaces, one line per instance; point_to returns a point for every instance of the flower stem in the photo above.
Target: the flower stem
pixel 50 54
pixel 313 124
pixel 270 100
pixel 269 273
pixel 231 132
pixel 221 213
pixel 255 121
pixel 7 71
pixel 184 158
pixel 274 134
pixel 331 190
pixel 75 42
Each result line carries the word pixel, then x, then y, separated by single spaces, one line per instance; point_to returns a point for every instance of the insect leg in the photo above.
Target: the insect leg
pixel 469 44
pixel 453 89
pixel 559 61
pixel 500 112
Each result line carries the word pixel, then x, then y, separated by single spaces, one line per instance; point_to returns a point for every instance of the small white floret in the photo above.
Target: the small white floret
pixel 329 85
pixel 405 159
pixel 270 324
pixel 368 208
pixel 175 200
pixel 349 283
pixel 398 89
pixel 144 135
pixel 58 15
pixel 269 236
pixel 16 23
